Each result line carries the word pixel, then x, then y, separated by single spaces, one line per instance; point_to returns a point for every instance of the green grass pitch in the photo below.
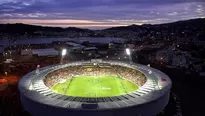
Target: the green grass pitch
pixel 94 86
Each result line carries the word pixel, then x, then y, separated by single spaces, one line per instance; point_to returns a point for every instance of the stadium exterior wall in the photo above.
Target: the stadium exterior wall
pixel 148 109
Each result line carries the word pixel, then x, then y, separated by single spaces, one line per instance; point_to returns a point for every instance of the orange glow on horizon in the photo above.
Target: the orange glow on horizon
pixel 48 21
pixel 66 23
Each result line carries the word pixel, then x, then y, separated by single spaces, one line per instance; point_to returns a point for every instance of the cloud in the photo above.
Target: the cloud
pixel 122 12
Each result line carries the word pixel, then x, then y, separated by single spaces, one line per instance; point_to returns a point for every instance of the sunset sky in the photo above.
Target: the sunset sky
pixel 98 14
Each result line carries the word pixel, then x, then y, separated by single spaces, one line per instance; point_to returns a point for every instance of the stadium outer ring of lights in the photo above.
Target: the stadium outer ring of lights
pixel 148 100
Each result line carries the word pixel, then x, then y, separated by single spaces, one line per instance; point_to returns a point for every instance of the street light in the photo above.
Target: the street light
pixel 129 54
pixel 6 73
pixel 63 53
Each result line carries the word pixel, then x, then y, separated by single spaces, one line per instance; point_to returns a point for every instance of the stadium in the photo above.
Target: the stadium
pixel 95 87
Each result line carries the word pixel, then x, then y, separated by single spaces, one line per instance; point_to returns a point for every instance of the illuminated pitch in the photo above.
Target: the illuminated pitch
pixel 95 86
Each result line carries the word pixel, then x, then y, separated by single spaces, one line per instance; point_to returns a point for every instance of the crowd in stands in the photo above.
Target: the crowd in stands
pixel 130 74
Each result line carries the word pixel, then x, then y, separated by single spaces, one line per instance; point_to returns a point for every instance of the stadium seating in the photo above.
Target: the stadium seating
pixel 112 70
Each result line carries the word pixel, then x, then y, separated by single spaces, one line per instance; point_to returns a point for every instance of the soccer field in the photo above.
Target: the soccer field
pixel 94 86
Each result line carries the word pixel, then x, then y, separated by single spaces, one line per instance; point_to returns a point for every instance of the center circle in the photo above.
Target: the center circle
pixel 94 86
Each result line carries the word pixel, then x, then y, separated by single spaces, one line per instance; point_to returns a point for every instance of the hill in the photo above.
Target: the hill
pixel 188 28
pixel 194 28
pixel 186 24
pixel 33 30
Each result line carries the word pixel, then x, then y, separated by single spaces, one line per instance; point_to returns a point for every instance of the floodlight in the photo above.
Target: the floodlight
pixel 64 51
pixel 128 51
pixel 129 54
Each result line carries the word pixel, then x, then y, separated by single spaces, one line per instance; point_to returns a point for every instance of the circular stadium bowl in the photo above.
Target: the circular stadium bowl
pixel 149 99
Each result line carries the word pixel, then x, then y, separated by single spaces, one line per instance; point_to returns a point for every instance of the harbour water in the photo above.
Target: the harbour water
pixel 5 42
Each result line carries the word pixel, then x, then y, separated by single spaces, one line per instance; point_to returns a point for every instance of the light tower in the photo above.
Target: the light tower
pixel 129 54
pixel 63 53
pixel 37 69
